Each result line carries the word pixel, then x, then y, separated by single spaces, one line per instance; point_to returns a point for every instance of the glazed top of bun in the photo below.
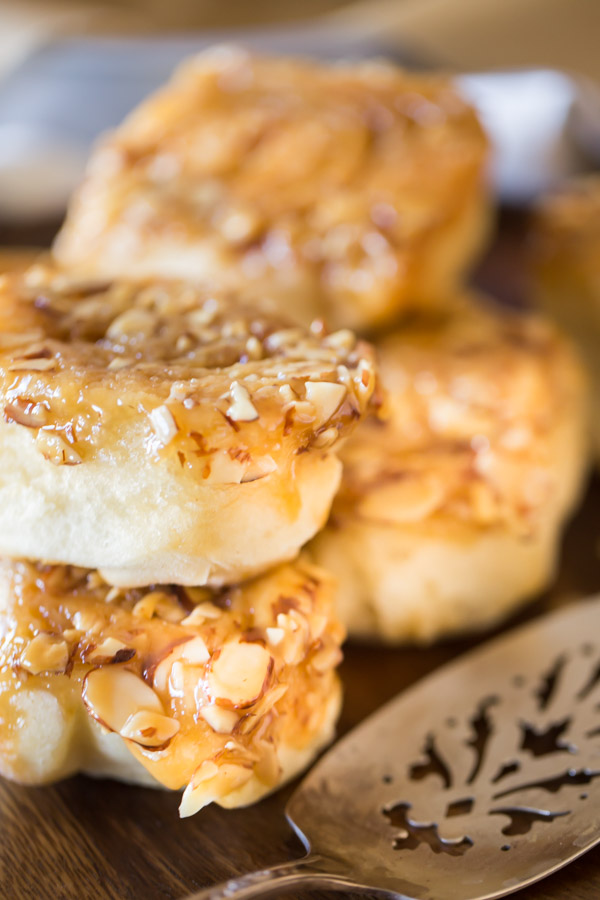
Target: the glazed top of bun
pixel 212 381
pixel 283 165
pixel 478 402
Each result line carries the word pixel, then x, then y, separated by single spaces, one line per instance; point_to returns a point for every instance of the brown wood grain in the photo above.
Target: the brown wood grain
pixel 90 840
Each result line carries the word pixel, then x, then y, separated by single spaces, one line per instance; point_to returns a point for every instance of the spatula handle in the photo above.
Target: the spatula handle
pixel 306 872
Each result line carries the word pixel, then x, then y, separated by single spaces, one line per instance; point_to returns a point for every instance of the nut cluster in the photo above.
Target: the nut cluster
pixel 216 380
pixel 207 674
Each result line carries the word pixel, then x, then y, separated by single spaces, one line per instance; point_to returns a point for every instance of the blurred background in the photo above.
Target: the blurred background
pixel 71 69
pixel 459 33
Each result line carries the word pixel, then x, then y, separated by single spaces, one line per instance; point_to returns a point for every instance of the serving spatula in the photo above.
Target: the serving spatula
pixel 479 780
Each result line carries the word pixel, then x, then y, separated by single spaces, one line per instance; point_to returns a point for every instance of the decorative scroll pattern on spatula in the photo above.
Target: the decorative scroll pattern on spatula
pixel 526 774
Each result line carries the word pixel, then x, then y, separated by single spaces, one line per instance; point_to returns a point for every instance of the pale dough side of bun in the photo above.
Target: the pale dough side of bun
pixel 156 525
pixel 423 584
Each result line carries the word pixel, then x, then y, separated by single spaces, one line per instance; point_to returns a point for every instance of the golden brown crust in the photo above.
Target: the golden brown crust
pixel 199 684
pixel 209 372
pixel 350 191
pixel 471 397
pixel 147 420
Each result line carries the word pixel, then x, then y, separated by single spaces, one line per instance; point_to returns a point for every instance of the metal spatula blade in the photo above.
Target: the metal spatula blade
pixel 478 781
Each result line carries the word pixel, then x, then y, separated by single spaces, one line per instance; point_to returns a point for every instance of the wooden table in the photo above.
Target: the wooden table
pixel 93 840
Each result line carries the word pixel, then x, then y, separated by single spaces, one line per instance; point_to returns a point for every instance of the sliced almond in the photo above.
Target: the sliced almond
pixel 284 338
pixel 113 694
pixel 162 672
pixel 119 362
pixel 133 323
pixel 304 412
pixel 202 612
pixel 287 394
pixel 179 391
pixel 177 679
pixel 275 636
pixel 31 415
pixel 344 339
pixel 326 439
pixel 55 449
pixel 150 729
pixel 326 397
pixel 95 580
pixel 223 721
pixel 253 721
pixel 254 348
pixel 365 382
pixel 161 604
pixel 268 768
pixel 25 338
pixel 239 674
pixel 270 699
pixel 163 424
pixel 205 315
pixel 45 653
pixel 294 645
pixel 107 649
pixel 318 624
pixel 71 634
pixel 259 467
pixel 242 409
pixel 32 365
pixel 86 621
pixel 406 500
pixel 192 652
pixel 208 785
pixel 326 658
pixel 225 470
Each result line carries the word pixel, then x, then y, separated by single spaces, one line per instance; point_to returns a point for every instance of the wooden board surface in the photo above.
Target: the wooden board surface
pixel 94 840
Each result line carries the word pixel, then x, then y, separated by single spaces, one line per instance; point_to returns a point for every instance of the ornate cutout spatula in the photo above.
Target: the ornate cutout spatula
pixel 478 781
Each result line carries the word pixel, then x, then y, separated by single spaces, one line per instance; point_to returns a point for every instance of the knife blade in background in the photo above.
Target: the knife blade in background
pixel 55 105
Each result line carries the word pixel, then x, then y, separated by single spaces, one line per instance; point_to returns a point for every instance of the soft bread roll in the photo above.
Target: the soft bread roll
pixel 163 434
pixel 351 191
pixel 565 257
pixel 451 508
pixel 226 693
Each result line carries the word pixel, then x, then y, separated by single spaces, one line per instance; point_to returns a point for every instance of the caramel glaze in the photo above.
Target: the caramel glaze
pixel 336 176
pixel 475 398
pixel 75 608
pixel 214 386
